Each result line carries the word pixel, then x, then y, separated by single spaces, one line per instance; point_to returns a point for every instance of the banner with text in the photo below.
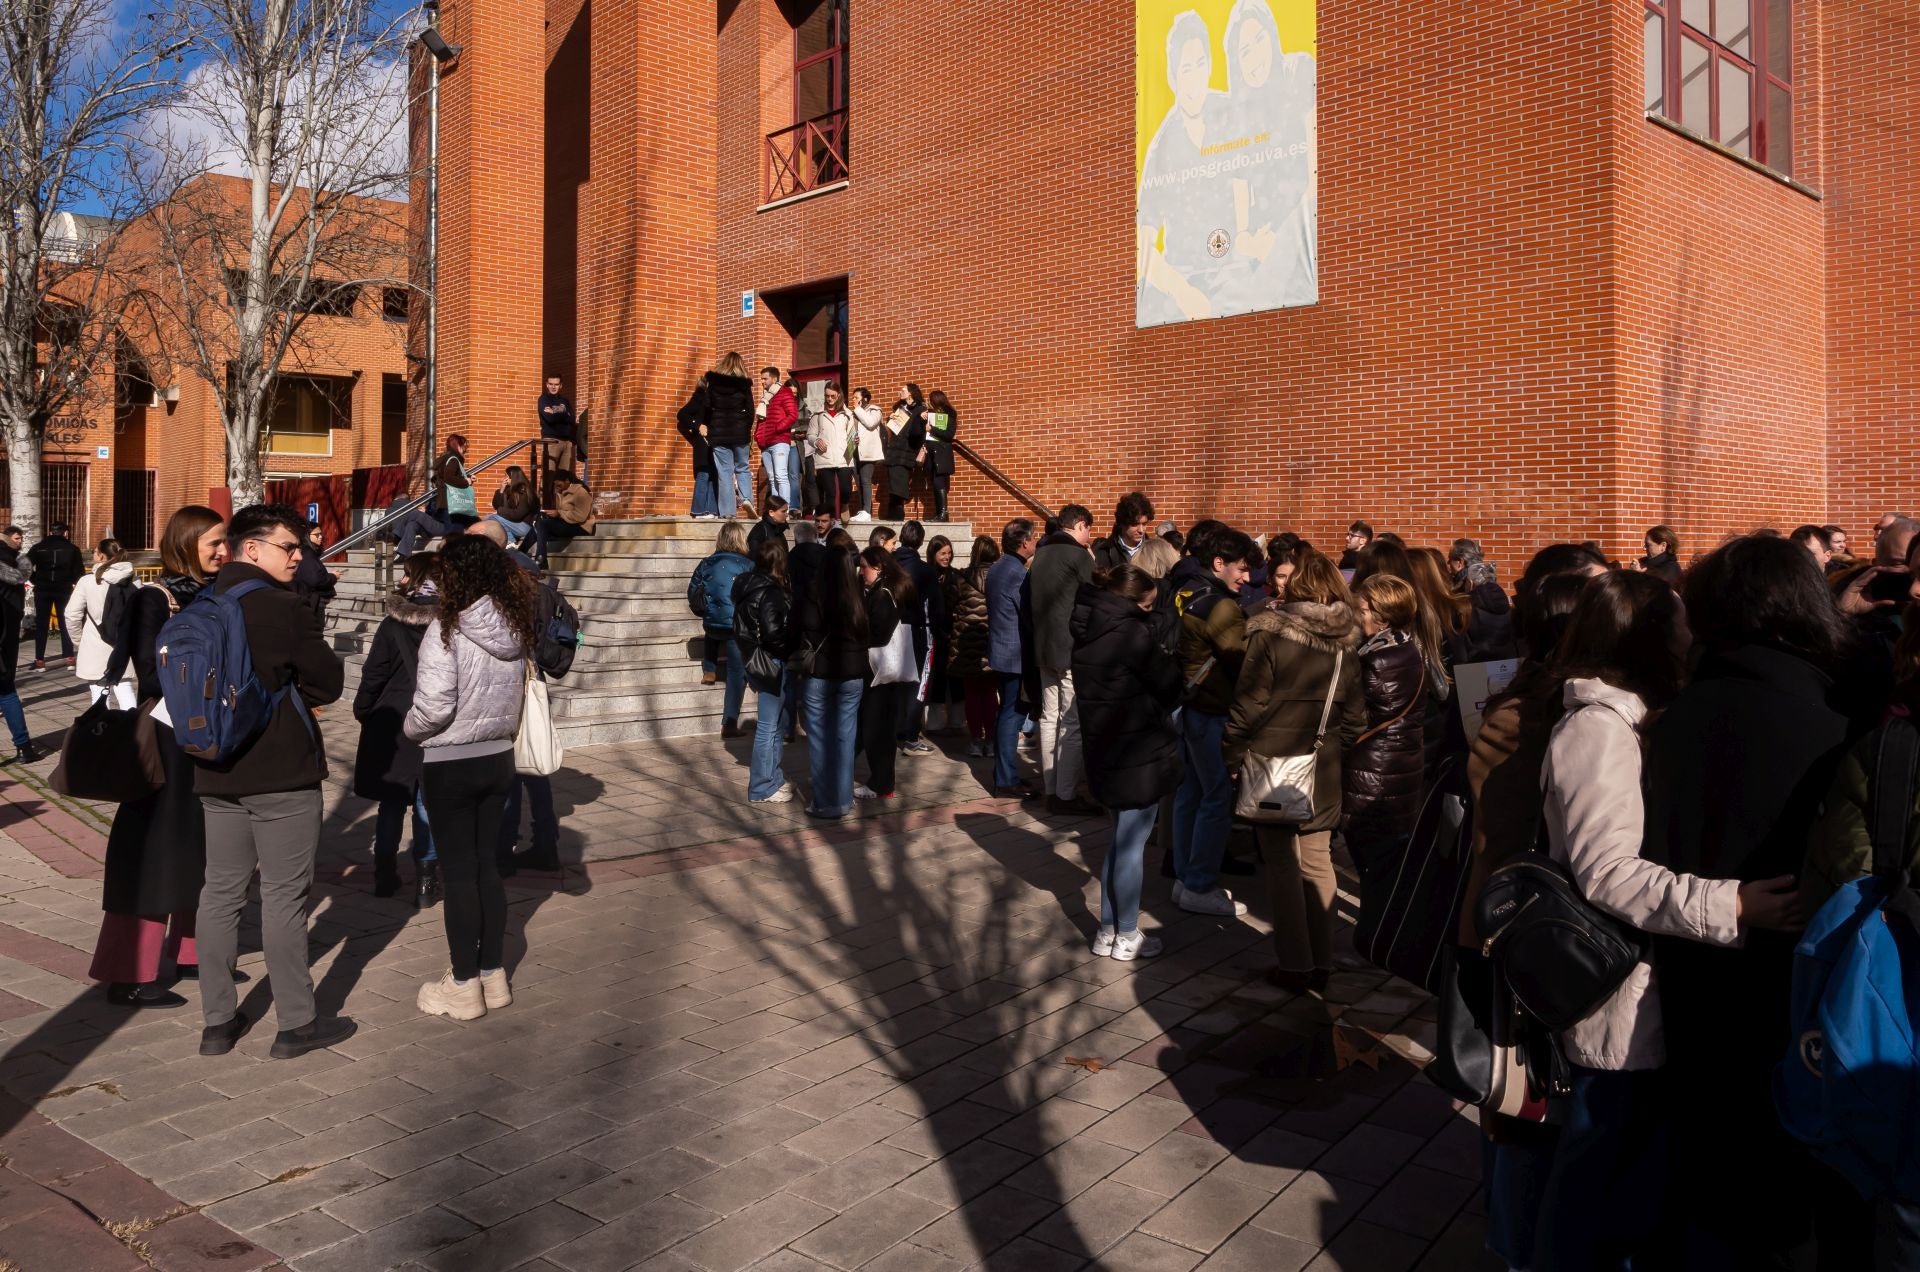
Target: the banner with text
pixel 1225 211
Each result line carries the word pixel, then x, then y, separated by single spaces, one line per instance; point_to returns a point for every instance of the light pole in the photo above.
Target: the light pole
pixel 441 52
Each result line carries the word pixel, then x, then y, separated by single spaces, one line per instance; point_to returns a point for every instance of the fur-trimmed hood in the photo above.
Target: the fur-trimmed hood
pixel 415 609
pixel 1326 628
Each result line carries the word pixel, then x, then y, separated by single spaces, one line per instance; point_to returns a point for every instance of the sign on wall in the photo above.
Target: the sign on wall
pixel 1226 214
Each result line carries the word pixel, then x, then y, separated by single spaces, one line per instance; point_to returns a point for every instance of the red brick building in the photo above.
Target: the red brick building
pixel 1546 308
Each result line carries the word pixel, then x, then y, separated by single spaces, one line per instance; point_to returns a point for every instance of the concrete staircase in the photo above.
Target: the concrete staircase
pixel 637 674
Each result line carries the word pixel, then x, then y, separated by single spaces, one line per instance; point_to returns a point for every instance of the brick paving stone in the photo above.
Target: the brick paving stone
pixel 62 1236
pixel 195 1241
pixel 215 1184
pixel 1456 1150
pixel 1046 1125
pixel 278 1200
pixel 369 1208
pixel 645 1179
pixel 1028 1255
pixel 1419 1201
pixel 839 1093
pixel 984 1224
pixel 754 1233
pixel 217 1149
pixel 1142 1253
pixel 301 1234
pixel 1370 1154
pixel 750 1179
pixel 1205 1215
pixel 644 1137
pixel 748 1095
pixel 845 1134
pixel 326 1146
pixel 1139 1122
pixel 862 1232
pixel 427 1146
pixel 854 1179
pixel 731 1141
pixel 538 1141
pixel 1169 1166
pixel 1366 1247
pixel 1098 1218
pixel 510 1244
pixel 1313 1208
pixel 1256 1250
pixel 500 1199
pixel 1070 1170
pixel 969 1170
pixel 390 1246
pixel 908 1257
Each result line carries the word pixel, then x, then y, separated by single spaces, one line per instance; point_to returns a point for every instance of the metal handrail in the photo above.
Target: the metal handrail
pixel 367 531
pixel 794 167
pixel 1012 487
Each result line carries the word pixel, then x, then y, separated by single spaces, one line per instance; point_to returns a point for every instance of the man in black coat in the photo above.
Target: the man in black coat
pixel 924 618
pixel 57 566
pixel 1061 566
pixel 263 805
pixel 559 435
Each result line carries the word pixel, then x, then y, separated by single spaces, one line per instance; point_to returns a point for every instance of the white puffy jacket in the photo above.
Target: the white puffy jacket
pixel 466 699
pixel 85 611
pixel 1596 820
pixel 873 442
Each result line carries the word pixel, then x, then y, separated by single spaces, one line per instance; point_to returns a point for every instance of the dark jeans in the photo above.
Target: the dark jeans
pixel 1896 1237
pixel 45 604
pixel 546 823
pixel 388 823
pixel 835 488
pixel 865 470
pixel 1605 1197
pixel 1006 757
pixel 466 800
pixel 879 712
pixel 549 529
pixel 427 523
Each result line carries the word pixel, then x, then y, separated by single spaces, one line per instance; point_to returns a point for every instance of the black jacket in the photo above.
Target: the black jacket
pixel 57 565
pixel 313 583
pixel 1489 636
pixel 1737 768
pixel 763 529
pixel 1383 776
pixel 1663 567
pixel 689 419
pixel 559 424
pixel 817 623
pixel 929 611
pixel 724 403
pixel 387 763
pixel 903 447
pixel 139 638
pixel 761 610
pixel 287 646
pixel 1108 553
pixel 883 617
pixel 1060 568
pixel 1126 683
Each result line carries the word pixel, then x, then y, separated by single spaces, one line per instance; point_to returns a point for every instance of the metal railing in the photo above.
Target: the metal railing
pixel 807 156
pixel 372 528
pixel 999 478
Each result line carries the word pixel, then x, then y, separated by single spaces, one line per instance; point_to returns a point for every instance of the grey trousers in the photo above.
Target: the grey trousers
pixel 279 835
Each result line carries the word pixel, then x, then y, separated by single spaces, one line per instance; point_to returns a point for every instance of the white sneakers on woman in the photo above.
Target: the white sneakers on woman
pixel 470 1001
pixel 1107 943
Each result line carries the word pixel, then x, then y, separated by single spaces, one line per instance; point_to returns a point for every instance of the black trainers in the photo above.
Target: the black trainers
pixel 546 860
pixel 316 1035
pixel 217 1040
pixel 426 885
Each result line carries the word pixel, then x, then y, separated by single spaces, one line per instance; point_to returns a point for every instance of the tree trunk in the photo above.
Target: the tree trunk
pixel 23 476
pixel 245 480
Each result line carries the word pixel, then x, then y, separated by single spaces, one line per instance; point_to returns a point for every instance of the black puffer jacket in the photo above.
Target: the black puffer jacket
pixel 1383 775
pixel 57 564
pixel 761 608
pixel 1489 636
pixel 387 762
pixel 724 403
pixel 817 622
pixel 1126 682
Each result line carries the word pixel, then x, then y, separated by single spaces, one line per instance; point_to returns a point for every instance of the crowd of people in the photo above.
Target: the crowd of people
pixel 844 457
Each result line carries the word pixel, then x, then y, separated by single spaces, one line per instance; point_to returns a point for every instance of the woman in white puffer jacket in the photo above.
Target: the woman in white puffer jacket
pixel 1623 657
pixel 89 616
pixel 467 695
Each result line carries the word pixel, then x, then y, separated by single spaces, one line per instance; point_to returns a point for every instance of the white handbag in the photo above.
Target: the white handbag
pixel 536 748
pixel 1280 788
pixel 894 663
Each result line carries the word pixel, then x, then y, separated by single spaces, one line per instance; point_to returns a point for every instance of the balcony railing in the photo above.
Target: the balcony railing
pixel 807 156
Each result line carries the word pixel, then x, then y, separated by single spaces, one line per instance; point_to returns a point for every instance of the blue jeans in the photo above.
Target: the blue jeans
pixel 832 709
pixel 421 522
pixel 736 690
pixel 704 502
pixel 1006 763
pixel 776 460
pixel 1605 1198
pixel 769 739
pixel 387 823
pixel 546 826
pixel 794 489
pixel 16 717
pixel 1203 806
pixel 1120 872
pixel 735 466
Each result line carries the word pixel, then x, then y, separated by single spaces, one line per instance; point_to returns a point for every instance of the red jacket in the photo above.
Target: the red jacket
pixel 777 426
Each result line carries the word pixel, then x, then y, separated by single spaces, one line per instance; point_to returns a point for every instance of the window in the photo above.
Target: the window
pixel 305 411
pixel 815 317
pixel 1723 69
pixel 394 303
pixel 812 153
pixel 329 300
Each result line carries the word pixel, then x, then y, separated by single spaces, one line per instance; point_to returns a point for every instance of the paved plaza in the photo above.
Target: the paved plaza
pixel 737 1041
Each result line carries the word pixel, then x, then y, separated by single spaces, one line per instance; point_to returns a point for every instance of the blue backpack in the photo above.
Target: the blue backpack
pixel 1849 1088
pixel 217 703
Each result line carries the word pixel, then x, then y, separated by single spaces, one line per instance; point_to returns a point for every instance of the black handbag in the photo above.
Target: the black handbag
pixel 1559 954
pixel 111 755
pixel 764 671
pixel 1410 899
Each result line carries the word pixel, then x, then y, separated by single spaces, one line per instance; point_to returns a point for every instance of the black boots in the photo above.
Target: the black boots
pixel 386 880
pixel 426 884
pixel 143 996
pixel 290 1044
pixel 217 1040
pixel 28 754
pixel 545 860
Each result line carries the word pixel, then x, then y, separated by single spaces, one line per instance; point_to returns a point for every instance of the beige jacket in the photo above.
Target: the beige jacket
pixel 1595 820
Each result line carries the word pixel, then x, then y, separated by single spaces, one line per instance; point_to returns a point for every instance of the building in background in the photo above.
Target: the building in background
pixel 1524 271
pixel 152 440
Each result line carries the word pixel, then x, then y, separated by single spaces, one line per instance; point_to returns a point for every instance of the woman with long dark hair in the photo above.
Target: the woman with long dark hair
pixel 1127 677
pixel 386 765
pixel 466 712
pixel 942 689
pixel 762 609
pixel 905 432
pixel 830 643
pixel 889 596
pixel 1738 767
pixel 969 659
pixel 942 422
pixel 1381 773
pixel 157 848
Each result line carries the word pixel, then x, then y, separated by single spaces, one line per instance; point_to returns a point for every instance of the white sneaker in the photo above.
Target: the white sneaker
pixel 1131 945
pixel 865 792
pixel 1178 892
pixel 861 516
pixel 494 990
pixel 782 796
pixel 447 997
pixel 1103 941
pixel 1215 900
pixel 708 516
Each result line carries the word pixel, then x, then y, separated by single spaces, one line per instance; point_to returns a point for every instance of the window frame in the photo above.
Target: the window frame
pixel 1675 31
pixel 834 56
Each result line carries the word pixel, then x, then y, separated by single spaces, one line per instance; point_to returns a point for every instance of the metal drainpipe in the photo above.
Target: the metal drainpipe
pixel 433 254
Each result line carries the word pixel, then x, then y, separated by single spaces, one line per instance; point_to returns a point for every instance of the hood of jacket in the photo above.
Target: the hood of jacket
pixel 1097 612
pixel 1323 627
pixel 118 572
pixel 484 625
pixel 1492 598
pixel 1588 692
pixel 415 609
pixel 1188 572
pixel 1060 538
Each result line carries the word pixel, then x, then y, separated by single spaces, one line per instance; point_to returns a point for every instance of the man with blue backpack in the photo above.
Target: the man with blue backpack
pixel 241 667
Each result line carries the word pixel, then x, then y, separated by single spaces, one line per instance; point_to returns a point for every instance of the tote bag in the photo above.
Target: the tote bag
pixel 1280 788
pixel 111 754
pixel 894 663
pixel 536 748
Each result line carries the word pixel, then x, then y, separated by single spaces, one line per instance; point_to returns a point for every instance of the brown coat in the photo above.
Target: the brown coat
pixel 970 637
pixel 1283 688
pixel 575 505
pixel 1503 772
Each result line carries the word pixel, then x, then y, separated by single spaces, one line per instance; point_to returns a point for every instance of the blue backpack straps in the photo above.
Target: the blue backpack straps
pixel 213 693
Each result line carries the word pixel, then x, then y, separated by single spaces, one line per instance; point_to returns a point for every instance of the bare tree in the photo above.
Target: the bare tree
pixel 74 84
pixel 303 103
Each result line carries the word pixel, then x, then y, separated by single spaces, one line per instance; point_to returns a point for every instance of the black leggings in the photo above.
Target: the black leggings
pixel 466 802
pixel 879 712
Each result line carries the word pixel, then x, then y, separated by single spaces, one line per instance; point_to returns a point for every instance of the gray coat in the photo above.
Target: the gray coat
pixel 468 695
pixel 1059 568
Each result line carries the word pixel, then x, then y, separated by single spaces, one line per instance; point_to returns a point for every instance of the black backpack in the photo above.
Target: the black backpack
pixel 1560 954
pixel 557 632
pixel 116 612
